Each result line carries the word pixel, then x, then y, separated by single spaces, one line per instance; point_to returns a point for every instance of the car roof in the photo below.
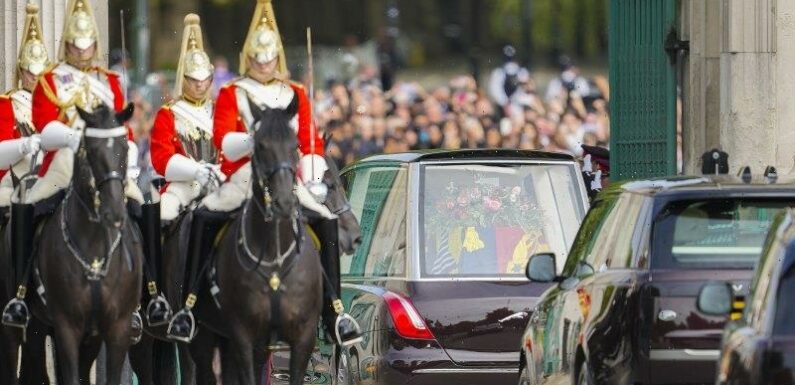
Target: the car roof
pixel 469 154
pixel 707 184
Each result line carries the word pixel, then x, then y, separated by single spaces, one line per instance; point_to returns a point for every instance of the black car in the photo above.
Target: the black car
pixel 438 283
pixel 759 345
pixel 624 309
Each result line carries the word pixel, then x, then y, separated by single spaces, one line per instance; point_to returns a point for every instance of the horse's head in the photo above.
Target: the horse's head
pixel 102 160
pixel 275 158
pixel 337 201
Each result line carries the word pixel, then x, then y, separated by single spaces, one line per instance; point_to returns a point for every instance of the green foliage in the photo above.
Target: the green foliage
pixel 567 24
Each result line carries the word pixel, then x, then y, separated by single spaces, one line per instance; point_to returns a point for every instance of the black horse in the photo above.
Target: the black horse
pixel 268 271
pixel 89 256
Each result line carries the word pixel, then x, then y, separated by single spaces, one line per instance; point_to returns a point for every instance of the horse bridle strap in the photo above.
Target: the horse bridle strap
pixel 111 176
pixel 105 133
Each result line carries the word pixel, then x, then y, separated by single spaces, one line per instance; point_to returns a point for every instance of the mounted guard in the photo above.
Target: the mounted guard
pixel 19 141
pixel 265 84
pixel 181 142
pixel 74 81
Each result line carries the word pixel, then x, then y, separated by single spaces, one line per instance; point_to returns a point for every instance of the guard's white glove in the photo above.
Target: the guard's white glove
pixel 30 144
pixel 597 181
pixel 586 164
pixel 216 170
pixel 57 135
pixel 203 175
pixel 210 175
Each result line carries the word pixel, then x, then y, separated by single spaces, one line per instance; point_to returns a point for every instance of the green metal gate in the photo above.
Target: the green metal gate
pixel 642 89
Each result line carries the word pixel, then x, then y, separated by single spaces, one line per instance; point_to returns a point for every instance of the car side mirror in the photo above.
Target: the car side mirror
pixel 715 298
pixel 541 268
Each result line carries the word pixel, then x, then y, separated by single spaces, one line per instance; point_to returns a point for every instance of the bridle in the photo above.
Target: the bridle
pixel 344 208
pixel 98 268
pixel 264 205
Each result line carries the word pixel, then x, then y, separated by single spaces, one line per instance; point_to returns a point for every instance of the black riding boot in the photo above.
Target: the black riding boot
pixel 158 311
pixel 340 326
pixel 203 230
pixel 16 312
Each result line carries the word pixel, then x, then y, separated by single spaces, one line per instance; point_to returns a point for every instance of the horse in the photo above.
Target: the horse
pixel 267 269
pixel 214 333
pixel 92 279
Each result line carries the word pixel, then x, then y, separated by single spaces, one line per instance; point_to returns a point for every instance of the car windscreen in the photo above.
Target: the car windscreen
pixel 725 233
pixel 486 220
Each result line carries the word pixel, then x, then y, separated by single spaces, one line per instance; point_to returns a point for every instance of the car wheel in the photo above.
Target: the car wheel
pixel 584 377
pixel 523 380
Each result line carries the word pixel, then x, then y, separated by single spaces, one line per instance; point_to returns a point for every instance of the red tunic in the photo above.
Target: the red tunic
pixel 164 140
pixel 227 119
pixel 8 124
pixel 46 110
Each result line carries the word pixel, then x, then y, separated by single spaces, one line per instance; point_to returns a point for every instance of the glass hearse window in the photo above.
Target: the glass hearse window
pixel 378 200
pixel 713 233
pixel 487 220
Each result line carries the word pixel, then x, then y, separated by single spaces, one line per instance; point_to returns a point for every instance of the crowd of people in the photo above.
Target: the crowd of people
pixel 511 111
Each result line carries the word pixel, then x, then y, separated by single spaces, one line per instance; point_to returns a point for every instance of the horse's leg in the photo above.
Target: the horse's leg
pixel 262 366
pixel 228 376
pixel 187 367
pixel 241 349
pixel 117 342
pixel 141 360
pixel 9 353
pixel 202 352
pixel 89 351
pixel 34 353
pixel 67 349
pixel 300 352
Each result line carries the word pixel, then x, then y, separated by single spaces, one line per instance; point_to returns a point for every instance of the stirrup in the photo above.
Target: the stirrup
pixel 192 333
pixel 151 308
pixel 356 328
pixel 7 317
pixel 137 332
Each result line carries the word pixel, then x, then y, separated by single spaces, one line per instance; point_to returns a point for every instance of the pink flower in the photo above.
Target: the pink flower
pixel 493 205
pixel 516 190
pixel 450 205
pixel 463 201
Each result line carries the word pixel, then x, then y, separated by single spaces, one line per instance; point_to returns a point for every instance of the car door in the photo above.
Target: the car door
pixel 586 299
pixel 544 358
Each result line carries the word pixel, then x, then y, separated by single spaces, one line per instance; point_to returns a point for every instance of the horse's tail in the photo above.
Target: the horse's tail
pixel 166 367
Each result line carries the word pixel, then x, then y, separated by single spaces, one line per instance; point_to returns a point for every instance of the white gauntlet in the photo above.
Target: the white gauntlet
pixel 57 135
pixel 237 145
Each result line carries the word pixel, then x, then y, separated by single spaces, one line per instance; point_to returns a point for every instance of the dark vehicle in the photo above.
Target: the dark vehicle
pixel 438 284
pixel 624 309
pixel 759 345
